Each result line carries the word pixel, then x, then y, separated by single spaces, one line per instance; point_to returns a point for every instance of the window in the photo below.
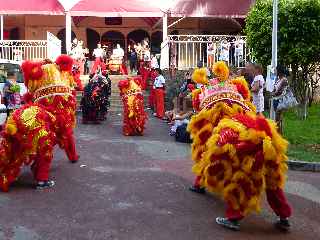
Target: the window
pixel 113 21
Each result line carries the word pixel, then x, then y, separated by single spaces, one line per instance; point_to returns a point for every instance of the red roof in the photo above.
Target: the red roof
pixel 211 8
pixel 117 8
pixel 43 7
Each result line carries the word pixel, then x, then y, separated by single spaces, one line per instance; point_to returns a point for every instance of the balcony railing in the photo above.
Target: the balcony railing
pixel 186 51
pixel 19 50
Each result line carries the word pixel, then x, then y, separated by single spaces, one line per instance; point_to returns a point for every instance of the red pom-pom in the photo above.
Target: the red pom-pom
pixel 242 90
pixel 31 70
pixel 191 87
pixel 27 97
pixel 123 84
pixel 65 63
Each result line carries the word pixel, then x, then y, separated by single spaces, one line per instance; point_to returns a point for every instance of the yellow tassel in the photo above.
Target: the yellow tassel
pixel 200 76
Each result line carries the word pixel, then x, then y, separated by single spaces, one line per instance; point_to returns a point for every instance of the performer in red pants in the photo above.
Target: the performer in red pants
pixel 151 99
pixel 159 87
pixel 99 53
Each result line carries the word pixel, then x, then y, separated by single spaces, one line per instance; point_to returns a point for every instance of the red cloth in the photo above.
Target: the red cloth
pixel 159 92
pixel 98 62
pixel 276 200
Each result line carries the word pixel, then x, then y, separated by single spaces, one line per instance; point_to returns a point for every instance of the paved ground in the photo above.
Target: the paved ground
pixel 135 188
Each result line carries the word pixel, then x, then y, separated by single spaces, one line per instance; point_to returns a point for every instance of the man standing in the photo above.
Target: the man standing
pixel 159 86
pixel 98 53
pixel 133 59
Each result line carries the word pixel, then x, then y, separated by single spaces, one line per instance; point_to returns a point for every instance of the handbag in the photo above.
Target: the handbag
pixel 286 101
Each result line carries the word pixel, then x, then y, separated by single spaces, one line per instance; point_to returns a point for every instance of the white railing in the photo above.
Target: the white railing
pixel 19 50
pixel 186 51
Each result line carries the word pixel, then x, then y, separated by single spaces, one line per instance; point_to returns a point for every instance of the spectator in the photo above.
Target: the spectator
pixel 279 88
pixel 133 60
pixel 11 90
pixel 182 117
pixel 257 87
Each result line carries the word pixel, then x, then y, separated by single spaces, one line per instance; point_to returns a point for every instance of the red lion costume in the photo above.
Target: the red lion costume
pixel 134 116
pixel 47 119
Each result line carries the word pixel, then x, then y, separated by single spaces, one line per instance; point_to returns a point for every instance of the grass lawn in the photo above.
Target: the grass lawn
pixel 303 135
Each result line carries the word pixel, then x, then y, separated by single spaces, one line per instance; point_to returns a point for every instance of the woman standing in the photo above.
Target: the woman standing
pixel 11 92
pixel 257 87
pixel 279 89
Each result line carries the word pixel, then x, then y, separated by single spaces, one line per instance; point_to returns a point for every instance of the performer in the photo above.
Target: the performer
pixel 95 101
pixel 237 154
pixel 99 54
pixel 134 116
pixel 159 86
pixel 47 119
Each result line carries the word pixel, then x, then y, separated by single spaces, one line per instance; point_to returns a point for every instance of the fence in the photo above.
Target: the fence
pixel 19 50
pixel 186 51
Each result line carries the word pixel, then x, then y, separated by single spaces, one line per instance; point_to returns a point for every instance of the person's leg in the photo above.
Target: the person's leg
pixel 279 204
pixel 160 103
pixel 231 219
pixel 95 66
pixel 41 169
pixel 196 187
pixel 156 96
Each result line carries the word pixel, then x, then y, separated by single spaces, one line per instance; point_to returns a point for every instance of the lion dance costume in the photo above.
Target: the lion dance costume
pixel 95 101
pixel 236 153
pixel 47 119
pixel 134 116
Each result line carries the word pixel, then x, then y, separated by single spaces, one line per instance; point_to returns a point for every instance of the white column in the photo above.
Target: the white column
pixel 2 23
pixel 68 32
pixel 164 61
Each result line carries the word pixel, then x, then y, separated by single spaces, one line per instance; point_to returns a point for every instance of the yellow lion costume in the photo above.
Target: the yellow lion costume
pixel 236 153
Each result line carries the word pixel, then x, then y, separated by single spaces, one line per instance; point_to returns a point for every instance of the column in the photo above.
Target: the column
pixel 164 60
pixel 2 30
pixel 68 32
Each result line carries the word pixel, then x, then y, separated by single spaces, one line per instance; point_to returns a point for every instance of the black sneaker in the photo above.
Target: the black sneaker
pixel 230 224
pixel 45 184
pixel 196 189
pixel 283 224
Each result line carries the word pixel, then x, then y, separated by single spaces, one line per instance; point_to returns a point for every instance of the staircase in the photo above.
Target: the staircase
pixel 115 99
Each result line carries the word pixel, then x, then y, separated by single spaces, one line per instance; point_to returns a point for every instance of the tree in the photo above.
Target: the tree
pixel 299 40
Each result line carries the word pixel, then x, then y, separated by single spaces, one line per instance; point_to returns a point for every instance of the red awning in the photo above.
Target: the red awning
pixel 211 8
pixel 43 7
pixel 117 8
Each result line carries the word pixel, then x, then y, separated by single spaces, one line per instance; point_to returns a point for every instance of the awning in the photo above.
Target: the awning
pixel 42 7
pixel 117 8
pixel 211 8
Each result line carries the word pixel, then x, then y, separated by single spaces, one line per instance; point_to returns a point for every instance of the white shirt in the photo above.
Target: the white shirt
pixel 98 52
pixel 118 52
pixel 154 63
pixel 159 82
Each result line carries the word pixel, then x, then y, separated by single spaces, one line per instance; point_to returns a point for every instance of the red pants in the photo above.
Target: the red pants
pixel 98 62
pixel 152 98
pixel 276 200
pixel 41 167
pixel 159 102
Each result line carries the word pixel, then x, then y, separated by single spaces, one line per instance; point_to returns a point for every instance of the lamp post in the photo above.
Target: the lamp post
pixel 274 60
